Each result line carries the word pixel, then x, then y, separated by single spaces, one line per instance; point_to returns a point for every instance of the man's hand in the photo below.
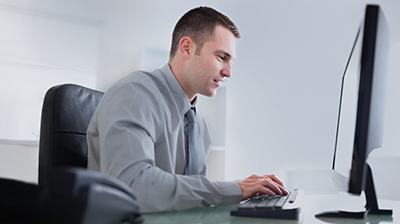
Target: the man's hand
pixel 261 184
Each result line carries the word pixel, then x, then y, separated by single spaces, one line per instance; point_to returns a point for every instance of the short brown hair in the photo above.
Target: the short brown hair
pixel 199 24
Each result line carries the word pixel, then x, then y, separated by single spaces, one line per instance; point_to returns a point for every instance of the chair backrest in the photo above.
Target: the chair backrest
pixel 66 113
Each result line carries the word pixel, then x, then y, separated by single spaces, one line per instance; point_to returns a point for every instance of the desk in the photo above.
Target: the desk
pixel 311 204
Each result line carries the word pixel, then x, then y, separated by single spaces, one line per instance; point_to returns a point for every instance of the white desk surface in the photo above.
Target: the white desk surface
pixel 310 205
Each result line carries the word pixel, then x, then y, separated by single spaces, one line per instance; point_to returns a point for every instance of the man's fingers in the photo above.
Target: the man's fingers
pixel 262 184
pixel 272 185
pixel 276 179
pixel 265 190
pixel 272 176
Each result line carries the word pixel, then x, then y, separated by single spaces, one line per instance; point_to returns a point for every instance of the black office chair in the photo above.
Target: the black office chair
pixel 66 113
pixel 67 192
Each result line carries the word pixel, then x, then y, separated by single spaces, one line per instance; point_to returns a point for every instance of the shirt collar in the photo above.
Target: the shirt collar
pixel 180 97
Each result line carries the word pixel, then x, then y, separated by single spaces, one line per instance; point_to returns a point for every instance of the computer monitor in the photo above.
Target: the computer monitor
pixel 368 60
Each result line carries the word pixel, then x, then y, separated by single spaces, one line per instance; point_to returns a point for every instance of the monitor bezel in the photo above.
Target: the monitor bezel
pixel 365 90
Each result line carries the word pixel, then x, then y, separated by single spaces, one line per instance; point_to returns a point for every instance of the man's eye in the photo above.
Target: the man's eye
pixel 222 58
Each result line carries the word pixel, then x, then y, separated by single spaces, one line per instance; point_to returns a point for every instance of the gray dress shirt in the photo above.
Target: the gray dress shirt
pixel 137 134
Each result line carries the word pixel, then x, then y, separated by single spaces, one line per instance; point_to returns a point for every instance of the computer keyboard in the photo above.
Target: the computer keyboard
pixel 266 206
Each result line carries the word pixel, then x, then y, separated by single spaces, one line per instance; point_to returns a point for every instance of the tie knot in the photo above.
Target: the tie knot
pixel 190 115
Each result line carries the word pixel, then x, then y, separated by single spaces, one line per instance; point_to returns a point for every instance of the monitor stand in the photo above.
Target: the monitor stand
pixel 371 206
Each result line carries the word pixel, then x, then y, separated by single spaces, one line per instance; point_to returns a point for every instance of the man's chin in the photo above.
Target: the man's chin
pixel 211 95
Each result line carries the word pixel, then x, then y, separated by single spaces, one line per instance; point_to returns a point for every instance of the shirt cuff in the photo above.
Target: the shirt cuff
pixel 232 194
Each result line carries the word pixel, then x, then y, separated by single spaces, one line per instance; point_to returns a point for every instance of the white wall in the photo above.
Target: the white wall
pixel 292 79
pixel 289 64
pixel 44 43
pixel 19 161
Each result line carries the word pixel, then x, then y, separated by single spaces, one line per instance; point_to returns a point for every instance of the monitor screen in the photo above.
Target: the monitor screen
pixel 361 109
pixel 371 94
pixel 362 100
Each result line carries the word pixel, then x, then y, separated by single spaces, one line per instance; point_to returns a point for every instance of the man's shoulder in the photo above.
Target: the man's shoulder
pixel 136 94
pixel 139 83
pixel 140 80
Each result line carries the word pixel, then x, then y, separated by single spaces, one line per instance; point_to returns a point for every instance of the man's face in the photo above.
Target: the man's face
pixel 213 64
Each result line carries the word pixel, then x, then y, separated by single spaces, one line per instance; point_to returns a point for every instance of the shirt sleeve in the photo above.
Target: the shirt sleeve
pixel 128 128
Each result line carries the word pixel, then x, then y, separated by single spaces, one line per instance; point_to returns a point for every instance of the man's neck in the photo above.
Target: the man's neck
pixel 179 75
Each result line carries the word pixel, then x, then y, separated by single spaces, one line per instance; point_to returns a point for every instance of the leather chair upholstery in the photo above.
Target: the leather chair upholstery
pixel 66 113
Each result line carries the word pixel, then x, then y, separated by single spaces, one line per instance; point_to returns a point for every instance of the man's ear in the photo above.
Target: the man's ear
pixel 186 47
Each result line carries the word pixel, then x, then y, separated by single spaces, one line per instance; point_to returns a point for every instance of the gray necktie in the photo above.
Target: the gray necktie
pixel 192 167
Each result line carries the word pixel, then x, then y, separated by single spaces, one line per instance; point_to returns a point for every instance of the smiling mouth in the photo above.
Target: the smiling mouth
pixel 218 82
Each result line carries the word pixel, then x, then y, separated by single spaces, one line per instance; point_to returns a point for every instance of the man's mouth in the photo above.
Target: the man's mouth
pixel 218 82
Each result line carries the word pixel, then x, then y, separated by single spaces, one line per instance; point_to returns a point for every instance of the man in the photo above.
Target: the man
pixel 139 132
